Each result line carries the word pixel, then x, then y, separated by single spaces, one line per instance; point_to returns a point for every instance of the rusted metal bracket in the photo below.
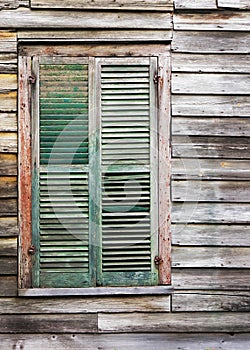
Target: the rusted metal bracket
pixel 158 260
pixel 156 78
pixel 32 250
pixel 32 79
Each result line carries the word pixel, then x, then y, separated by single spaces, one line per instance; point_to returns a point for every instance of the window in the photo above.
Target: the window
pixel 92 209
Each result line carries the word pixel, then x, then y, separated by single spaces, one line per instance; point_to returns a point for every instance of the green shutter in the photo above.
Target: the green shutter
pixel 129 180
pixel 62 207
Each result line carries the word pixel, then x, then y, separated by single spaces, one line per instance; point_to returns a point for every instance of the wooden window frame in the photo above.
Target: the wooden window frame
pixel 26 79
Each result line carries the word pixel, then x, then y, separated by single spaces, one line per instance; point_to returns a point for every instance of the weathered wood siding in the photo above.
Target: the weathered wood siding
pixel 210 180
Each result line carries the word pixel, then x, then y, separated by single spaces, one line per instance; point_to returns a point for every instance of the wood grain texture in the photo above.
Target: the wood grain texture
pixel 8 266
pixel 8 286
pixel 210 42
pixel 66 323
pixel 237 4
pixel 8 41
pixel 174 322
pixel 211 279
pixel 8 122
pixel 210 169
pixel 228 20
pixel 211 257
pixel 8 246
pixel 61 305
pixel 8 82
pixel 8 164
pixel 8 207
pixel 211 235
pixel 159 5
pixel 8 142
pixel 213 63
pixel 211 191
pixel 211 147
pixel 211 84
pixel 8 102
pixel 228 106
pixel 211 126
pixel 8 187
pixel 190 302
pixel 13 4
pixel 195 341
pixel 26 18
pixel 195 4
pixel 210 213
pixel 8 226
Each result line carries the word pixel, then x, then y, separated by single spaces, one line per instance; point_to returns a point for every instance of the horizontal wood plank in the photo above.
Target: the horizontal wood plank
pixel 8 266
pixel 195 5
pixel 238 4
pixel 214 84
pixel 174 322
pixel 26 18
pixel 213 63
pixel 210 191
pixel 210 213
pixel 210 169
pixel 211 279
pixel 67 323
pixel 85 305
pixel 8 286
pixel 8 164
pixel 13 4
pixel 8 121
pixel 8 142
pixel 163 5
pixel 8 246
pixel 145 341
pixel 8 226
pixel 221 21
pixel 228 106
pixel 210 42
pixel 211 257
pixel 211 126
pixel 211 235
pixel 8 102
pixel 8 207
pixel 92 35
pixel 8 186
pixel 8 81
pixel 211 147
pixel 8 40
pixel 190 302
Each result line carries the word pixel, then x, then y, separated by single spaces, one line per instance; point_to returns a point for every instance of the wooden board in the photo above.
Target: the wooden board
pixel 211 147
pixel 97 35
pixel 8 246
pixel 174 322
pixel 211 257
pixel 197 4
pixel 8 226
pixel 210 302
pixel 160 5
pixel 8 142
pixel 8 286
pixel 8 122
pixel 71 305
pixel 26 18
pixel 8 102
pixel 210 213
pixel 13 4
pixel 228 106
pixel 211 191
pixel 145 341
pixel 211 279
pixel 221 21
pixel 8 81
pixel 210 169
pixel 67 323
pixel 210 126
pixel 211 235
pixel 238 4
pixel 8 164
pixel 212 63
pixel 210 42
pixel 8 266
pixel 8 207
pixel 214 84
pixel 8 41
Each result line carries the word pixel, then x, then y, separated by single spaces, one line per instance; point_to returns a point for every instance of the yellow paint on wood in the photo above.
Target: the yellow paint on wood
pixel 8 81
pixel 10 36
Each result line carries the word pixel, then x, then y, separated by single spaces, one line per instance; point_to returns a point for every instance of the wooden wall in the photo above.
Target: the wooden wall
pixel 210 308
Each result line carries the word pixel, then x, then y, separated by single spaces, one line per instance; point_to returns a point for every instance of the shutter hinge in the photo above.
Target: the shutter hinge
pixel 32 250
pixel 32 79
pixel 158 260
pixel 156 78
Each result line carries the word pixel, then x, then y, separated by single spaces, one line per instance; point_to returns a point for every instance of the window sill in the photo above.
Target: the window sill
pixel 98 291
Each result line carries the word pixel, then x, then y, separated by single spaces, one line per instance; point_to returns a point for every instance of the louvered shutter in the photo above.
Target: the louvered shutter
pixel 60 185
pixel 129 234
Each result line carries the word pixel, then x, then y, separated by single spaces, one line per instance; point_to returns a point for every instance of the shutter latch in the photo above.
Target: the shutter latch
pixel 32 79
pixel 158 260
pixel 32 250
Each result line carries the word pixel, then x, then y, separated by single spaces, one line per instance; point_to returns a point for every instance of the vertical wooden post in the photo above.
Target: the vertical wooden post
pixel 164 169
pixel 24 174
